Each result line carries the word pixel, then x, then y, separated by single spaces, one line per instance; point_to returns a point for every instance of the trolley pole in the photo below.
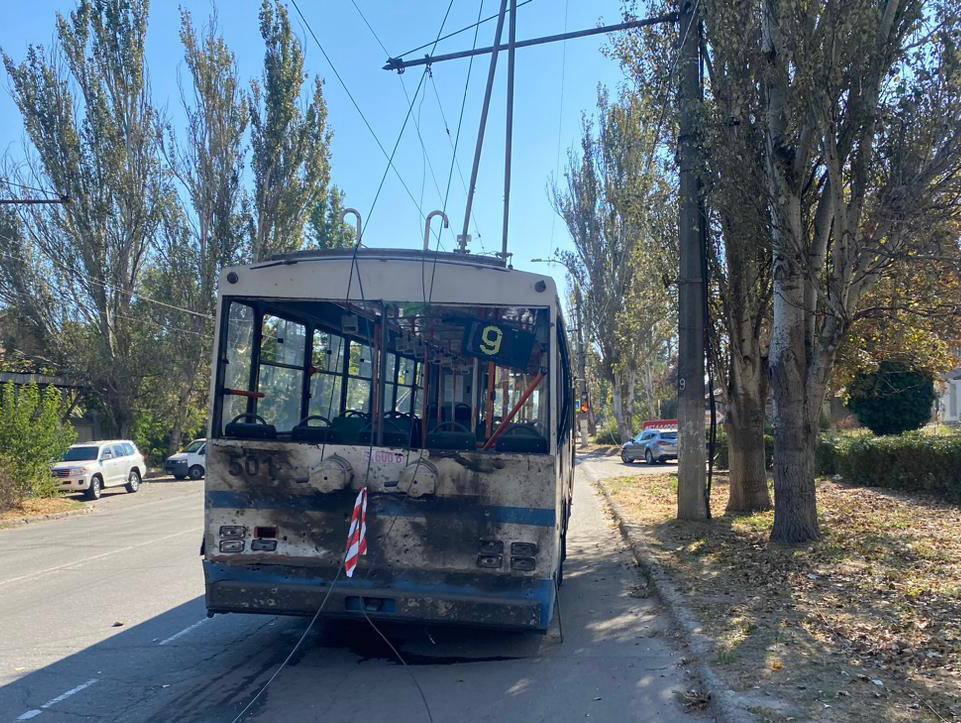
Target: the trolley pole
pixel 691 483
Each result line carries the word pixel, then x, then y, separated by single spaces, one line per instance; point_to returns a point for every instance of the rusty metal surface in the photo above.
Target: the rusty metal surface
pixel 434 532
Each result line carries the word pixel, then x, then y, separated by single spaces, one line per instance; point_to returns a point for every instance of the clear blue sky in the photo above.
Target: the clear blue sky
pixel 357 162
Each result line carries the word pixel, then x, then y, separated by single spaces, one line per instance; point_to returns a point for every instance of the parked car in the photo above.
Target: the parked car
pixel 192 462
pixel 89 467
pixel 651 445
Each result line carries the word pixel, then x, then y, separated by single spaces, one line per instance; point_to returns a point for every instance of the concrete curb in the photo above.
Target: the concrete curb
pixel 24 521
pixel 724 701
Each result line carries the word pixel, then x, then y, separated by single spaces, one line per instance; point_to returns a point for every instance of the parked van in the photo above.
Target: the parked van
pixel 90 466
pixel 192 462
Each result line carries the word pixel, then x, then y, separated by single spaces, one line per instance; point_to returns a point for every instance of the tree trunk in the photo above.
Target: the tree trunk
pixel 795 503
pixel 747 470
pixel 744 423
pixel 617 393
pixel 795 395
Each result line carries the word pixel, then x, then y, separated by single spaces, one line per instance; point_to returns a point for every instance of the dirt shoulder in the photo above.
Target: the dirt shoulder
pixel 863 625
pixel 47 508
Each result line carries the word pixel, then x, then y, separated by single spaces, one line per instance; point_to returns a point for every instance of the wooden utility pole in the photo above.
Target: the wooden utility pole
pixel 692 503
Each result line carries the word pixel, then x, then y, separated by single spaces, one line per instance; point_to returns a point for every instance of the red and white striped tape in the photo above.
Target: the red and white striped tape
pixel 357 534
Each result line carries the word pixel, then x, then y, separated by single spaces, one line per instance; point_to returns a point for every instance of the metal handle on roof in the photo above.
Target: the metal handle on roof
pixel 357 220
pixel 430 217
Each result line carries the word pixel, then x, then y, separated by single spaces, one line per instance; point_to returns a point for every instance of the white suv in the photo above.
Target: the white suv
pixel 91 466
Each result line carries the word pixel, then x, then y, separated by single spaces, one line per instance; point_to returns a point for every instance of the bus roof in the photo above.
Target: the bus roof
pixel 390 275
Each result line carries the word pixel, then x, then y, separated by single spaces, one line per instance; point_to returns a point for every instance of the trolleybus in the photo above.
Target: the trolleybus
pixel 440 382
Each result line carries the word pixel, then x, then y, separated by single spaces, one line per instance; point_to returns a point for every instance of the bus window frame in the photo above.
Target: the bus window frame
pixel 421 372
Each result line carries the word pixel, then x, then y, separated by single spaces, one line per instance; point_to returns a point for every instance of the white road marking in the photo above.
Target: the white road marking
pixel 59 699
pixel 183 632
pixel 151 541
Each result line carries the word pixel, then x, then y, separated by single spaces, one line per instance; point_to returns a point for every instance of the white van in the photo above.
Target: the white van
pixel 90 466
pixel 192 462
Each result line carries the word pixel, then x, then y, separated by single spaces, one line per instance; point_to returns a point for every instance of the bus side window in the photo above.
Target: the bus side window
pixel 566 388
pixel 237 355
pixel 325 384
pixel 281 373
pixel 360 371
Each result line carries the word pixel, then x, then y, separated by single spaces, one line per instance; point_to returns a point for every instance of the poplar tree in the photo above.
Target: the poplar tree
pixel 290 140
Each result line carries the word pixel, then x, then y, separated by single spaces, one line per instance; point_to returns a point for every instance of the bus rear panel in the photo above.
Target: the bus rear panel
pixel 455 416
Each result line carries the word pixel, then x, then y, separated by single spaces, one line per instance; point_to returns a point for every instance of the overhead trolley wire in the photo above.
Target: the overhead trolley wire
pixel 450 140
pixel 357 107
pixel 458 32
pixel 112 287
pixel 403 86
pixel 560 123
pixel 353 265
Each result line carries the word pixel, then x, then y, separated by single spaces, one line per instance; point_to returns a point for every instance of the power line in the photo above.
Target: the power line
pixel 25 187
pixel 560 123
pixel 460 122
pixel 104 284
pixel 353 101
pixel 457 32
pixel 293 650
pixel 450 140
pixel 403 85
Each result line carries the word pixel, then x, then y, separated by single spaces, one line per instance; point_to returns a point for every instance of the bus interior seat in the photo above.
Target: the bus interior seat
pixel 522 438
pixel 451 435
pixel 462 413
pixel 398 431
pixel 250 430
pixel 348 428
pixel 315 434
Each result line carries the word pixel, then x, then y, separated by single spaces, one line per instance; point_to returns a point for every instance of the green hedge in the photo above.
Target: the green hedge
pixel 722 458
pixel 912 461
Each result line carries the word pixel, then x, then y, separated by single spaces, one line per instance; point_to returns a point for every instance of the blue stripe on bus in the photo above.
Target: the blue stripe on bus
pixel 386 504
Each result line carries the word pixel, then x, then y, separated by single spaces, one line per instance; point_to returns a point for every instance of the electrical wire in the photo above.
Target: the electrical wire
pixel 357 107
pixel 460 171
pixel 403 662
pixel 105 285
pixel 403 85
pixel 560 123
pixel 458 32
pixel 293 650
pixel 25 187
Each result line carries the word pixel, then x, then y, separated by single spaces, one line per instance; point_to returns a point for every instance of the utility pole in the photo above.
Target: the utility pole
pixel 584 419
pixel 492 69
pixel 509 138
pixel 400 65
pixel 692 503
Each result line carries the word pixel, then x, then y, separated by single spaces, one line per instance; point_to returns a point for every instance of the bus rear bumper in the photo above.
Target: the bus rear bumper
pixel 524 603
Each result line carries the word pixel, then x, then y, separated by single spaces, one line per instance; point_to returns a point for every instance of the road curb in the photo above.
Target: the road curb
pixel 15 522
pixel 723 699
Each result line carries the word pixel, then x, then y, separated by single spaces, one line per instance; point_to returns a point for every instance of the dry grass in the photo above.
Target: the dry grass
pixel 41 508
pixel 863 625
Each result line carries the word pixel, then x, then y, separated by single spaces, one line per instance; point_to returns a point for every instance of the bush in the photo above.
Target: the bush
pixel 893 399
pixel 11 491
pixel 914 462
pixel 608 434
pixel 32 436
pixel 722 456
pixel 826 455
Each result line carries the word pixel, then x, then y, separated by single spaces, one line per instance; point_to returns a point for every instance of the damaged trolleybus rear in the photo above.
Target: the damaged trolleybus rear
pixel 441 383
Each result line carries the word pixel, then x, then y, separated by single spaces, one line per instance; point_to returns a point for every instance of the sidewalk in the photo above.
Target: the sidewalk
pixel 864 624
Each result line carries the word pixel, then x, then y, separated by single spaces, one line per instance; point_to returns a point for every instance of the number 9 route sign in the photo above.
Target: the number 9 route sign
pixel 502 344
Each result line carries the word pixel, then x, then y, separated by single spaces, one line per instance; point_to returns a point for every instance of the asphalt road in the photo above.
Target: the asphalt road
pixel 103 619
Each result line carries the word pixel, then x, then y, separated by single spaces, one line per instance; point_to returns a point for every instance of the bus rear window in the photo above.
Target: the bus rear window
pixel 396 374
